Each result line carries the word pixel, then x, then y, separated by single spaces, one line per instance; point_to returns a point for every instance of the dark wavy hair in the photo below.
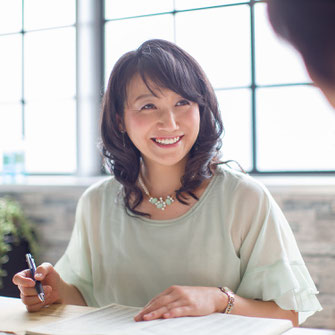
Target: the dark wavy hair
pixel 168 66
pixel 309 25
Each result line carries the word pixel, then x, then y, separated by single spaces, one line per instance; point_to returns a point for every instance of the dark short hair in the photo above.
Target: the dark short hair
pixel 309 25
pixel 168 66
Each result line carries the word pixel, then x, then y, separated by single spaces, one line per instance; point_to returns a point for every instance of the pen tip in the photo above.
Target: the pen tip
pixel 41 297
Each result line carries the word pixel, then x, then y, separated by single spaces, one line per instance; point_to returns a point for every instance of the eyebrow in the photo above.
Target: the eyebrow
pixel 143 96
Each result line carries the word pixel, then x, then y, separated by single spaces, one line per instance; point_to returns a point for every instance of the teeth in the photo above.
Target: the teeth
pixel 167 141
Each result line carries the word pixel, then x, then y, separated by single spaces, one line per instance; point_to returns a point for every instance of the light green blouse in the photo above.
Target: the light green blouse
pixel 234 236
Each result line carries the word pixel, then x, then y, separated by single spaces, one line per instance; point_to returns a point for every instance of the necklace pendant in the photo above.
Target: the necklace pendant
pixel 153 200
pixel 158 202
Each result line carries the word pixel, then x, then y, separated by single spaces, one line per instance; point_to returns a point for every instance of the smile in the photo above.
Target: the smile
pixel 166 141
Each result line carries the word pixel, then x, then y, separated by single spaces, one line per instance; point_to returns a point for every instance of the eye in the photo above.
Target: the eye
pixel 148 106
pixel 183 102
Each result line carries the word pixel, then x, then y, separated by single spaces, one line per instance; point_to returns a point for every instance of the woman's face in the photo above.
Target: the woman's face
pixel 162 127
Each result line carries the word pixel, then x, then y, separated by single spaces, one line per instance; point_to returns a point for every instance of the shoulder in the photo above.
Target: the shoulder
pixel 106 187
pixel 236 184
pixel 248 204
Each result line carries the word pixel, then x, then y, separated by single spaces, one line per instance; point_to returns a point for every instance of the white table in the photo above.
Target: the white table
pixel 15 318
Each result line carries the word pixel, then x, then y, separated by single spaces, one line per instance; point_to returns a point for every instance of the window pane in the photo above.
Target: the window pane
pixel 188 4
pixel 40 14
pixel 50 137
pixel 235 106
pixel 296 129
pixel 277 62
pixel 125 35
pixel 10 16
pixel 50 70
pixel 10 68
pixel 126 8
pixel 219 39
pixel 10 127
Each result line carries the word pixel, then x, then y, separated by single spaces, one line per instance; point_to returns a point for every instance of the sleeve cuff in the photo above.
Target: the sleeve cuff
pixel 288 284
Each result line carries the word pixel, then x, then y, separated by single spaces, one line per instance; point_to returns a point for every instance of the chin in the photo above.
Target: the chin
pixel 167 161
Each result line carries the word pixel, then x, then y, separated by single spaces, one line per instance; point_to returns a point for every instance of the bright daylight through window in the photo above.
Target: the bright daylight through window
pixel 268 103
pixel 37 85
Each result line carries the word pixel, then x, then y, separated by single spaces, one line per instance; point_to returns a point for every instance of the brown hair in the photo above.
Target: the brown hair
pixel 168 66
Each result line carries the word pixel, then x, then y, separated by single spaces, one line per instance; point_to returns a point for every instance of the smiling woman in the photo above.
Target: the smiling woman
pixel 174 227
pixel 154 95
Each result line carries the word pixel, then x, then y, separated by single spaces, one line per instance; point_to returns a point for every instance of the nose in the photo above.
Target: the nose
pixel 167 120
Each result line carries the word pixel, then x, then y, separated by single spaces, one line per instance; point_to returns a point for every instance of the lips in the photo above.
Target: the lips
pixel 167 140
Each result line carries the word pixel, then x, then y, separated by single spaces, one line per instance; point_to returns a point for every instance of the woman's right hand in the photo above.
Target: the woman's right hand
pixel 51 282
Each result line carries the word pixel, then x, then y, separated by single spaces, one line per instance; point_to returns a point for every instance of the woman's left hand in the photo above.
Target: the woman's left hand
pixel 177 301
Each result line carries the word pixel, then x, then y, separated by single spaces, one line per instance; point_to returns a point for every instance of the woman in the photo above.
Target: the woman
pixel 172 226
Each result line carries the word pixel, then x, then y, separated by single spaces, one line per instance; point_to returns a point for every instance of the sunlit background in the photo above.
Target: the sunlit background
pixel 270 109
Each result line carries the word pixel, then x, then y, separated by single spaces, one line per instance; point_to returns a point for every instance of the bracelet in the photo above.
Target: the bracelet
pixel 231 299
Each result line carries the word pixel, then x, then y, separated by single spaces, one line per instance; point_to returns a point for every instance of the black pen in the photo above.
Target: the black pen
pixel 38 284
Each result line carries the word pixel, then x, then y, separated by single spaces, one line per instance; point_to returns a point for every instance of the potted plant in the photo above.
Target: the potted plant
pixel 17 237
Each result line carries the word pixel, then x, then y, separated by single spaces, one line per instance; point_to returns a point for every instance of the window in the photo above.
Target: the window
pixel 269 106
pixel 38 84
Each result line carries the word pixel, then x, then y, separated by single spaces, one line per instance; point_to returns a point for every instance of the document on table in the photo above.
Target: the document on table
pixel 119 320
pixel 15 318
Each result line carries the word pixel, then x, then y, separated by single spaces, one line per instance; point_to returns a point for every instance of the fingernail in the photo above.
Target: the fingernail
pixel 38 275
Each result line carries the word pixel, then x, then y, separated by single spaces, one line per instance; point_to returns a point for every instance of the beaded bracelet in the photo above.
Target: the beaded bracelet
pixel 231 299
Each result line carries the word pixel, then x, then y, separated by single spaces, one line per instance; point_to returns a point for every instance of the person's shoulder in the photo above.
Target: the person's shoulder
pixel 241 183
pixel 105 186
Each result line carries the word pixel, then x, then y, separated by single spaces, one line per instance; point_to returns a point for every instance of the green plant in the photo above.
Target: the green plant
pixel 14 228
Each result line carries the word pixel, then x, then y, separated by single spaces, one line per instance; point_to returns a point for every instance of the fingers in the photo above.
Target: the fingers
pixel 23 278
pixel 159 305
pixel 26 285
pixel 178 312
pixel 180 301
pixel 165 292
pixel 167 311
pixel 31 291
pixel 43 270
pixel 35 307
pixel 27 291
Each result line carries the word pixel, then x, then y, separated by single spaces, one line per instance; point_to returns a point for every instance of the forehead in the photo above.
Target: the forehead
pixel 137 87
pixel 136 84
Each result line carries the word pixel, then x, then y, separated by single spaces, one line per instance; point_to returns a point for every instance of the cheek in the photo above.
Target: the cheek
pixel 136 124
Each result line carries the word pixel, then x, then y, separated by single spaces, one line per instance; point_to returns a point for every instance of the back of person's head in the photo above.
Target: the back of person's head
pixel 160 64
pixel 310 26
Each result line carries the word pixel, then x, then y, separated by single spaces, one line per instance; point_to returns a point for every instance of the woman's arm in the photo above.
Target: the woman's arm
pixel 179 301
pixel 71 295
pixel 258 308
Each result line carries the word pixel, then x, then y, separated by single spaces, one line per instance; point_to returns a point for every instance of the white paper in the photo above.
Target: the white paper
pixel 119 320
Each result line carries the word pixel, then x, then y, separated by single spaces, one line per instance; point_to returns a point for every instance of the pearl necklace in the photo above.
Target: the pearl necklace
pixel 158 202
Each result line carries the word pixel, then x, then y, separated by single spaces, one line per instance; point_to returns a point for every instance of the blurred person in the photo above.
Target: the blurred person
pixel 309 25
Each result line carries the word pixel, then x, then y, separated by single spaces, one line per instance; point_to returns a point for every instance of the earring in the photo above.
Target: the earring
pixel 123 140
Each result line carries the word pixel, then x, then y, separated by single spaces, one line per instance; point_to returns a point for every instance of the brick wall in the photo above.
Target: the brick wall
pixel 310 211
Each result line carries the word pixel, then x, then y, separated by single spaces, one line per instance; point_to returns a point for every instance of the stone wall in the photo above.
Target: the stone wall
pixel 310 211
pixel 312 218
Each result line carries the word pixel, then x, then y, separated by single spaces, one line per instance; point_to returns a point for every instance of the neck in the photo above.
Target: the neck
pixel 162 180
